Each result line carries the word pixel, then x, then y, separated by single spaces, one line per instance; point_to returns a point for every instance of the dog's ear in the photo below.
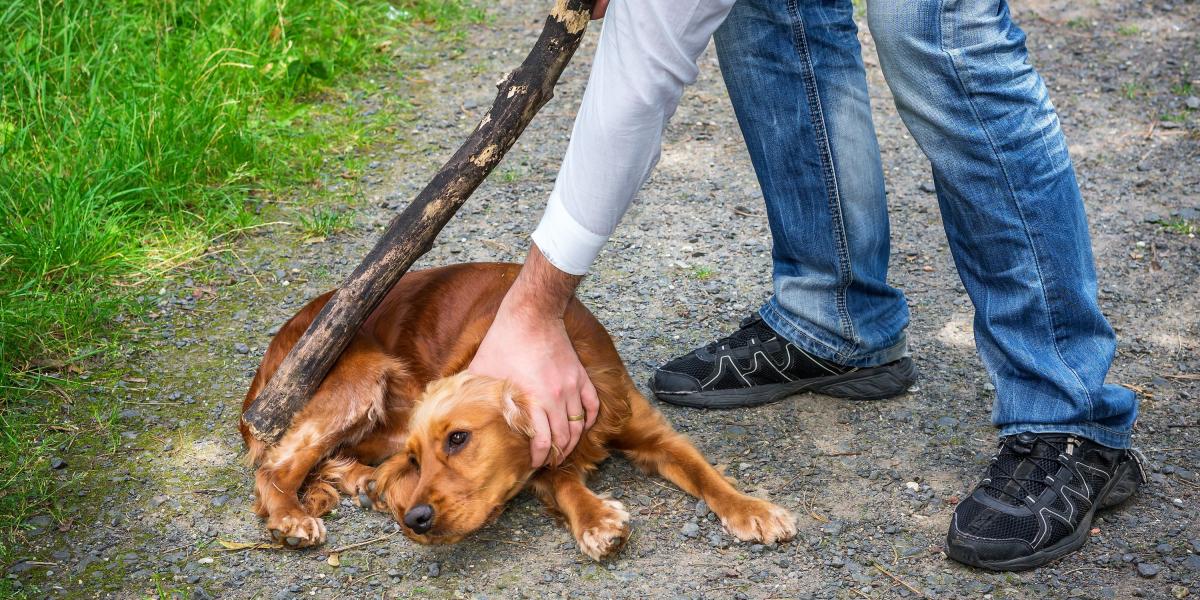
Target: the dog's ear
pixel 515 409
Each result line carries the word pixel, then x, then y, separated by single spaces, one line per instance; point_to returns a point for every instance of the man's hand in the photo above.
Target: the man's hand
pixel 598 8
pixel 528 345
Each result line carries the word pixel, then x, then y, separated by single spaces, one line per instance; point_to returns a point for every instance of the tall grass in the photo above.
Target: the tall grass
pixel 130 133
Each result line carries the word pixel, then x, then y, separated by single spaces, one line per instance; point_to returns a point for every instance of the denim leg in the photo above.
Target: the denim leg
pixel 1013 214
pixel 795 76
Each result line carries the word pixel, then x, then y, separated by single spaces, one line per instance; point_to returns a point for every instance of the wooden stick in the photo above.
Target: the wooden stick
pixel 522 93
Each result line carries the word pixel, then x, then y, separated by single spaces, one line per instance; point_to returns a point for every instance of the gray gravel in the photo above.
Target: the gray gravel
pixel 874 483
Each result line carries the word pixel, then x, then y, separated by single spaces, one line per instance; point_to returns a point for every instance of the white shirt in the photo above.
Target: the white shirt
pixel 646 56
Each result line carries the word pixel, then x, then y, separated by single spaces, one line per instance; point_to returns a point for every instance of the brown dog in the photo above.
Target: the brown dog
pixel 452 448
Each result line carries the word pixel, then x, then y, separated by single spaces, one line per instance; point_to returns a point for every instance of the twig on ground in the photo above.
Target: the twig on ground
pixel 361 544
pixel 666 487
pixel 248 269
pixel 490 539
pixel 910 588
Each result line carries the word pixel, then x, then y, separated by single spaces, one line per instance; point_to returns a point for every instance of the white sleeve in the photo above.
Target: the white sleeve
pixel 646 55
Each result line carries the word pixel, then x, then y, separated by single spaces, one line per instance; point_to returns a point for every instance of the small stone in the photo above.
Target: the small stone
pixel 1163 548
pixel 1147 570
pixel 1192 102
pixel 928 187
pixel 756 548
pixel 241 348
pixel 220 501
pixel 57 463
pixel 1192 562
pixel 913 486
pixel 701 509
pixel 435 570
pixel 948 422
pixel 690 530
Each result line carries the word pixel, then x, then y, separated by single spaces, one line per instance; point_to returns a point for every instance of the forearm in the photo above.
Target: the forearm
pixel 541 290
pixel 646 57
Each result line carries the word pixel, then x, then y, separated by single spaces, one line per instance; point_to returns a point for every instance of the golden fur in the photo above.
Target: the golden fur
pixel 380 427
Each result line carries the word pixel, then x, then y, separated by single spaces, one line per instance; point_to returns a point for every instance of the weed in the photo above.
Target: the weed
pixel 1173 117
pixel 512 175
pixel 1185 88
pixel 324 222
pixel 703 273
pixel 1132 89
pixel 1078 23
pixel 1180 226
pixel 1129 30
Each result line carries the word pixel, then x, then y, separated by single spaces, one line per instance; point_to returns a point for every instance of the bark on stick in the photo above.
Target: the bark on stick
pixel 521 94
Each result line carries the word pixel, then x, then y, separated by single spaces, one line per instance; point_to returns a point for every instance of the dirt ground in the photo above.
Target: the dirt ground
pixel 1122 75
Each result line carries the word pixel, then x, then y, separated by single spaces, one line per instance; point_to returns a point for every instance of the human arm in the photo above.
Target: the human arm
pixel 646 56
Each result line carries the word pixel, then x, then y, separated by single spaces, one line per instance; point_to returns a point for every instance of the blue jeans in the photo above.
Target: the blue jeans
pixel 1005 184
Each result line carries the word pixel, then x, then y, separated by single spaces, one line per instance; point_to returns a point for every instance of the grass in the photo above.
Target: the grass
pixel 323 222
pixel 1129 30
pixel 1132 89
pixel 133 134
pixel 1180 226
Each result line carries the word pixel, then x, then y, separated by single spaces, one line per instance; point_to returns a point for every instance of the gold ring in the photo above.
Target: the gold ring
pixel 576 417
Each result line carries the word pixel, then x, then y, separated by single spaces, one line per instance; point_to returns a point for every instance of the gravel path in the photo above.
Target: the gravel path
pixel 874 483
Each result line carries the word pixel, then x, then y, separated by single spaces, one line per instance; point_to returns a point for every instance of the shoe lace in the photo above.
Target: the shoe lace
pixel 1006 472
pixel 751 327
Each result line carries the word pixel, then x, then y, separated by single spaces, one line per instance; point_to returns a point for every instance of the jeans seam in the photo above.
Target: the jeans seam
pixel 812 94
pixel 959 76
pixel 838 355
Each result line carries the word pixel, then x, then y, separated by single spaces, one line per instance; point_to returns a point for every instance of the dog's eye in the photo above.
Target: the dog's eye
pixel 456 440
pixel 412 460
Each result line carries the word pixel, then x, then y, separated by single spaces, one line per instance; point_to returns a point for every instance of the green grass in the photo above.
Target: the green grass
pixel 323 222
pixel 703 273
pixel 1180 226
pixel 134 133
pixel 1129 30
pixel 1132 89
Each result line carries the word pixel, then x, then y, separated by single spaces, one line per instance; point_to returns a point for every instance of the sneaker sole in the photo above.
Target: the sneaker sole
pixel 875 383
pixel 1123 485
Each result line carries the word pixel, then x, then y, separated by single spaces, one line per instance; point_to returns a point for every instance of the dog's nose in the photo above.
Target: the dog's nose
pixel 419 518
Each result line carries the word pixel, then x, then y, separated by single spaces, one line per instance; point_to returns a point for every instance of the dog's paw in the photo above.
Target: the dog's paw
pixel 755 520
pixel 605 534
pixel 370 497
pixel 297 530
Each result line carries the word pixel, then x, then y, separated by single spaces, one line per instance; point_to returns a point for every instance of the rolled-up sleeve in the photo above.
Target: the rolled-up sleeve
pixel 646 56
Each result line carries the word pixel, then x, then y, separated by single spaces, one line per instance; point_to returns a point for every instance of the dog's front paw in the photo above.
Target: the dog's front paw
pixel 370 496
pixel 755 520
pixel 603 535
pixel 297 530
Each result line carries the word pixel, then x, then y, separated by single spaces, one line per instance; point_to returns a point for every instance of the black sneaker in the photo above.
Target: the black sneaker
pixel 1038 499
pixel 756 366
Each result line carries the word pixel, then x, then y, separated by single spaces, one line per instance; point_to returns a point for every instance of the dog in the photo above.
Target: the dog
pixel 398 425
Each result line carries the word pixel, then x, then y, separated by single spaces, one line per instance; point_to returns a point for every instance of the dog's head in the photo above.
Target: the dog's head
pixel 467 455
